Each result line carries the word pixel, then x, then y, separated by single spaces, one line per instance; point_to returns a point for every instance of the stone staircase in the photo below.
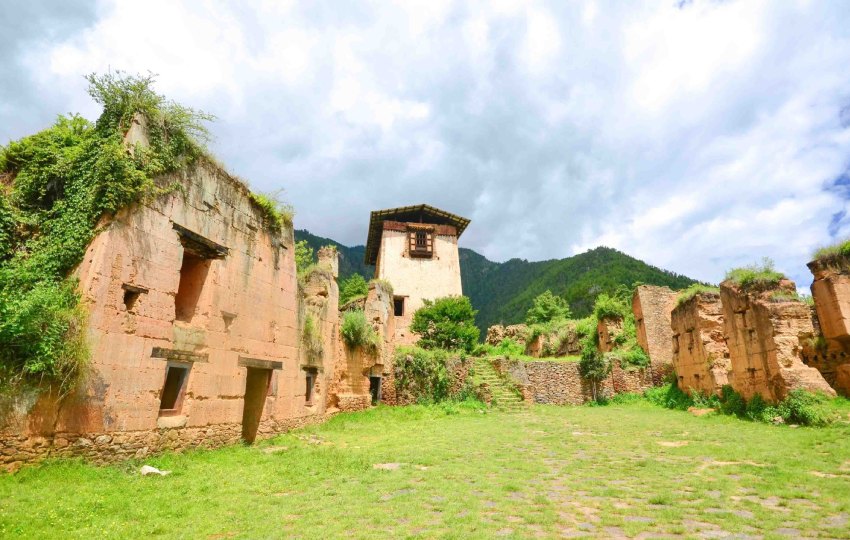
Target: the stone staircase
pixel 504 396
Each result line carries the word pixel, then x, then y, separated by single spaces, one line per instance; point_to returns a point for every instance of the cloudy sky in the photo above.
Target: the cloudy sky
pixel 693 135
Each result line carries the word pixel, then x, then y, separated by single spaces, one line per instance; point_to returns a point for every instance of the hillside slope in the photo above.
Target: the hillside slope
pixel 502 292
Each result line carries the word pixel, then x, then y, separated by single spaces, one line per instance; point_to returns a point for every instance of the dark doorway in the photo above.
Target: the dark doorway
pixel 398 306
pixel 375 389
pixel 256 391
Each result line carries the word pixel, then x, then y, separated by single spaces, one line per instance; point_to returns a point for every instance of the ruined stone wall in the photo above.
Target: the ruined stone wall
pixel 497 333
pixel 651 306
pixel 765 335
pixel 417 279
pixel 245 314
pixel 561 383
pixel 350 387
pixel 831 292
pixel 607 328
pixel 319 300
pixel 700 355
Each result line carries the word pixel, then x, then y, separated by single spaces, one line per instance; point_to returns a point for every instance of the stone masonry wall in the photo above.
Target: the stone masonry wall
pixel 561 383
pixel 700 355
pixel 765 334
pixel 651 306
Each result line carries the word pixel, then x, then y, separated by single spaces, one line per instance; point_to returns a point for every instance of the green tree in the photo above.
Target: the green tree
pixel 446 323
pixel 303 256
pixel 594 366
pixel 352 287
pixel 548 307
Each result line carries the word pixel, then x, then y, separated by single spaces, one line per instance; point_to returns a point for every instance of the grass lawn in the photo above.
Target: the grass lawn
pixel 631 470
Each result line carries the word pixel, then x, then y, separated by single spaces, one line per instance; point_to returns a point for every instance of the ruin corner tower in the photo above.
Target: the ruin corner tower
pixel 415 249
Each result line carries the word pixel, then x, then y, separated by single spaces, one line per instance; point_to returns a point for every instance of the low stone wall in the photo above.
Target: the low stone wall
pixel 102 448
pixel 561 383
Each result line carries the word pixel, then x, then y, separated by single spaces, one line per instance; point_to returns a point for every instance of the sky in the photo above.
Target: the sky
pixel 694 135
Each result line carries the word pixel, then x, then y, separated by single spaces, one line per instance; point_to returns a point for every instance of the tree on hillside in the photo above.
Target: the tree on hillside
pixel 547 307
pixel 353 287
pixel 303 256
pixel 446 323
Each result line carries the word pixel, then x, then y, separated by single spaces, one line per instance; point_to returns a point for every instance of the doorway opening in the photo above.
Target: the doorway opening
pixel 257 385
pixel 375 389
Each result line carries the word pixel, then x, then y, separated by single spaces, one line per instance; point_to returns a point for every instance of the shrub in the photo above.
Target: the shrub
pixel 357 332
pixel 610 306
pixel 693 290
pixel 546 308
pixel 352 288
pixel 806 408
pixel 508 347
pixel 422 374
pixel 755 276
pixel 669 396
pixel 446 323
pixel 731 402
pixel 594 366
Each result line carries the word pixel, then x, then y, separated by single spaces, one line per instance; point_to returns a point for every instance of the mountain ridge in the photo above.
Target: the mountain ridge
pixel 503 292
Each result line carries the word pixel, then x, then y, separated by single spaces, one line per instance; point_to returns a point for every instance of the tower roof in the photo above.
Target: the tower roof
pixel 420 213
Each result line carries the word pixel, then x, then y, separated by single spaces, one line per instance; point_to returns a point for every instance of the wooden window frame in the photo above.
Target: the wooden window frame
pixel 420 243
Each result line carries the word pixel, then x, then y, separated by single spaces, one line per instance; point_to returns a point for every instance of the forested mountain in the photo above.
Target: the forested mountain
pixel 502 292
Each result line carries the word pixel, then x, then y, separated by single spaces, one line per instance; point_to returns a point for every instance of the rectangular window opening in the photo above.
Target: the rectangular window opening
pixel 130 298
pixel 398 306
pixel 193 275
pixel 173 389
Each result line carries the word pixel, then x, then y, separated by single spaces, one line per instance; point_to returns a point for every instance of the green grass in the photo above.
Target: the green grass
pixel 624 469
pixel 756 276
pixel 833 252
pixel 695 289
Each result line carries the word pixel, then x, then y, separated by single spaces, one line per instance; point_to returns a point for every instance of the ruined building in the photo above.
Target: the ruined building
pixel 700 356
pixel 195 331
pixel 414 248
pixel 651 306
pixel 765 331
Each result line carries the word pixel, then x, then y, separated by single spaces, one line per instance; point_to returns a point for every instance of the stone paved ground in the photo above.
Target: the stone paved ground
pixel 456 472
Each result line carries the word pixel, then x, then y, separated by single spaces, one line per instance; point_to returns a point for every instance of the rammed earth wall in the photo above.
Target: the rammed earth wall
pixel 651 306
pixel 766 331
pixel 194 280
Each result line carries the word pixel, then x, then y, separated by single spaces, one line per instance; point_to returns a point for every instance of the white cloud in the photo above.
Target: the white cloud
pixel 693 138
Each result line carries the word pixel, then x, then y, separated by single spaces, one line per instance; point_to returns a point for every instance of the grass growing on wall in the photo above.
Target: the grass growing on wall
pixel 54 188
pixel 695 289
pixel 756 276
pixel 357 332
